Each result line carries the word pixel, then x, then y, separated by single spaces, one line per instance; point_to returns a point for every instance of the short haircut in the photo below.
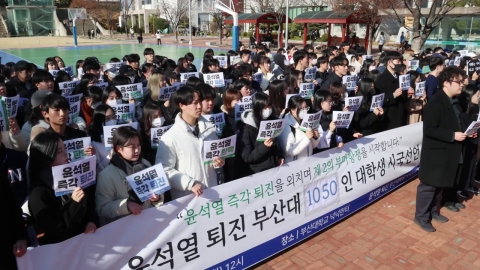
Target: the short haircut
pixel 337 89
pixel 450 73
pixel 148 51
pixel 393 55
pixel 146 67
pixel 206 91
pixel 55 101
pixel 41 76
pixel 90 65
pixel 133 58
pixel 22 65
pixel 242 70
pixel 185 96
pixel 230 95
pixel 122 135
pixel 244 52
pixel 193 81
pixel 437 49
pixel 299 55
pixel 435 62
pixel 322 60
pixel 189 57
pixel 337 61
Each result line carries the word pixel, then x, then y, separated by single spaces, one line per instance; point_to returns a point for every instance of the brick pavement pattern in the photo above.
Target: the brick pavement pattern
pixel 383 236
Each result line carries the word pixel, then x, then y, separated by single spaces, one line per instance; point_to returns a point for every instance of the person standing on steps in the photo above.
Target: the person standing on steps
pixel 159 36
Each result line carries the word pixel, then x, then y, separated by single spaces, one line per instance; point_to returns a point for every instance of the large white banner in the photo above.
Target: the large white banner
pixel 238 224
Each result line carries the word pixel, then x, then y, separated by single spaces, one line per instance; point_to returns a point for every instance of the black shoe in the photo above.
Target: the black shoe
pixel 464 194
pixel 474 190
pixel 477 181
pixel 460 205
pixel 426 226
pixel 438 217
pixel 451 207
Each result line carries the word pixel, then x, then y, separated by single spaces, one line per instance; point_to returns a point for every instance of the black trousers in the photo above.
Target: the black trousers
pixel 380 48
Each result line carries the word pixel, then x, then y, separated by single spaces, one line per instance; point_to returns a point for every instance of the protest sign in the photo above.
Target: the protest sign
pixel 350 81
pixel 258 77
pixel 404 81
pixel 22 101
pixel 125 112
pixel 131 91
pixel 311 121
pixel 342 119
pixel 315 193
pixel 68 87
pixel 74 112
pixel 102 85
pixel 149 181
pixel 184 76
pixel 223 148
pixel 471 66
pixel 81 173
pixel 310 74
pixel 353 103
pixel 414 64
pixel 218 120
pixel 167 92
pixel 156 135
pixel 241 107
pixel 228 82
pixel 69 71
pixel 54 72
pixel 472 128
pixel 306 90
pixel 214 79
pixel 11 105
pixel 117 66
pixel 457 60
pixel 419 89
pixel 76 148
pixel 4 123
pixel 377 102
pixel 233 57
pixel 367 56
pixel 74 98
pixel 270 129
pixel 109 130
pixel 222 60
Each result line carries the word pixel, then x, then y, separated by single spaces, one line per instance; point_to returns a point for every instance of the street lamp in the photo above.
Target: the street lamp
pixel 189 22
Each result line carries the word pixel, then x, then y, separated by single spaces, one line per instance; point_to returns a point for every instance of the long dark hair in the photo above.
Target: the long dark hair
pixel 295 103
pixel 95 130
pixel 83 85
pixel 149 111
pixel 465 100
pixel 259 102
pixel 292 81
pixel 36 116
pixel 319 97
pixel 365 90
pixel 413 77
pixel 365 67
pixel 278 95
pixel 43 151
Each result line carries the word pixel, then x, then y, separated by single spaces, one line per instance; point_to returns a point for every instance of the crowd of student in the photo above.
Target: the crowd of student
pixel 33 143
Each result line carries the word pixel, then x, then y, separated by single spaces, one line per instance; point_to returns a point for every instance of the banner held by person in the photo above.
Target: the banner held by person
pixel 76 148
pixel 414 64
pixel 11 105
pixel 81 173
pixel 184 76
pixel 307 90
pixel 377 102
pixel 69 71
pixel 350 81
pixel 419 89
pixel 404 81
pixel 342 119
pixel 156 135
pixel 167 92
pixel 109 130
pixel 224 148
pixel 353 103
pixel 4 119
pixel 131 91
pixel 270 129
pixel 311 121
pixel 125 112
pixel 288 204
pixel 150 181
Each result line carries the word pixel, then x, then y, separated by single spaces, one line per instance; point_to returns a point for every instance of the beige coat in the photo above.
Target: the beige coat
pixel 112 194
pixel 415 109
pixel 15 142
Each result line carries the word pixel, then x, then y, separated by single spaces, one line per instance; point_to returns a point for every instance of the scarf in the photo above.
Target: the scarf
pixel 87 112
pixel 129 167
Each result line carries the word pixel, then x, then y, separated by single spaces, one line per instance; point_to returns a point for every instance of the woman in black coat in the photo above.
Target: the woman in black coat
pixel 259 156
pixel 365 121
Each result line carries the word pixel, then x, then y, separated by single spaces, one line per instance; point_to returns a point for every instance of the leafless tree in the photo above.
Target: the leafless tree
pixel 126 9
pixel 174 11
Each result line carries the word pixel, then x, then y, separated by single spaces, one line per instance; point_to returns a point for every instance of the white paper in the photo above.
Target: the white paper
pixel 156 135
pixel 353 103
pixel 149 181
pixel 68 87
pixel 217 119
pixel 125 112
pixel 311 121
pixel 472 128
pixel 241 107
pixel 306 90
pixel 81 173
pixel 223 148
pixel 310 74
pixel 350 81
pixel 214 79
pixel 270 129
pixel 258 77
pixel 131 91
pixel 342 119
pixel 377 101
pixel 11 105
pixel 222 60
pixel 74 112
pixel 404 81
pixel 74 98
pixel 184 76
pixel 76 148
pixel 419 89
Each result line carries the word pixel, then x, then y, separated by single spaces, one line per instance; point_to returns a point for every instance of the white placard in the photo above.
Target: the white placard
pixel 214 79
pixel 353 103
pixel 184 76
pixel 11 105
pixel 109 130
pixel 342 119
pixel 4 125
pixel 222 60
pixel 472 128
pixel 233 57
pixel 270 129
pixel 76 148
pixel 414 64
pixel 404 81
pixel 365 57
pixel 81 173
pixel 228 82
pixel 377 102
pixel 258 77
pixel 218 120
pixel 131 91
pixel 69 70
pixel 167 92
pixel 156 135
pixel 311 121
pixel 241 107
pixel 54 73
pixel 149 181
pixel 350 81
pixel 306 90
pixel 419 89
pixel 457 61
pixel 223 148
pixel 74 98
pixel 310 74
pixel 68 87
pixel 74 112
pixel 102 85
pixel 125 112
pixel 117 66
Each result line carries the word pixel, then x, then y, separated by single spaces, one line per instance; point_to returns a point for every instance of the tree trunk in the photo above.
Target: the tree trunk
pixel 417 33
pixel 176 32
pixel 370 41
pixel 420 41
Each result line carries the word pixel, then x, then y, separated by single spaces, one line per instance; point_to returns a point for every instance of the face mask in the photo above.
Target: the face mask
pixel 266 113
pixel 370 68
pixel 158 122
pixel 314 62
pixel 114 102
pixel 302 114
pixel 80 72
pixel 111 122
pixel 132 78
pixel 112 74
pixel 398 68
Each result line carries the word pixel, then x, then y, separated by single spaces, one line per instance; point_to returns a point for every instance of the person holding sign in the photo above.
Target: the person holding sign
pixel 114 198
pixel 50 64
pixel 152 118
pixel 91 99
pixel 102 116
pixel 258 156
pixel 416 103
pixel 294 142
pixel 436 65
pixel 180 149
pixel 441 157
pixel 339 66
pixel 11 134
pixel 365 121
pixel 63 217
pixel 322 102
pixel 264 67
pixel 293 80
pixel 111 96
pixel 244 86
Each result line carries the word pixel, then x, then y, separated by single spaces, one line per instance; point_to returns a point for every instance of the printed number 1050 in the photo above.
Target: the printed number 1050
pixel 321 193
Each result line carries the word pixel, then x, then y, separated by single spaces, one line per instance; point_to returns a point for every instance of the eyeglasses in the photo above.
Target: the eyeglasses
pixel 328 102
pixel 138 146
pixel 459 82
pixel 110 117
